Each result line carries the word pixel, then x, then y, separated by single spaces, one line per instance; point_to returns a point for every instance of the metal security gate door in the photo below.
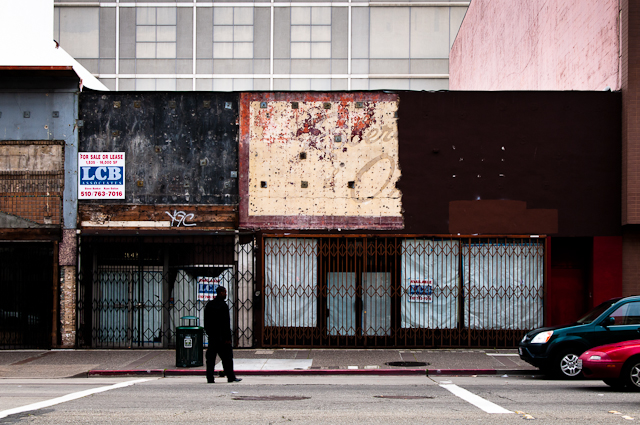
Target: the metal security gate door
pixel 128 313
pixel 134 290
pixel 409 292
pixel 329 291
pixel 358 288
pixel 26 282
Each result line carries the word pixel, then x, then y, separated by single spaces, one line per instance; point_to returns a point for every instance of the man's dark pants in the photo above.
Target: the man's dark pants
pixel 226 355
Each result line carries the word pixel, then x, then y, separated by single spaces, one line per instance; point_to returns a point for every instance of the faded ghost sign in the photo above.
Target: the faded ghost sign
pixel 320 161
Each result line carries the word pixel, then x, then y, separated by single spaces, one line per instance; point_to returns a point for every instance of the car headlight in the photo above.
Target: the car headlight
pixel 595 357
pixel 524 338
pixel 542 337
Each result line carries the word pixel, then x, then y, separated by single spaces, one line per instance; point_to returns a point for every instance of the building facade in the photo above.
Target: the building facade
pixel 345 219
pixel 38 146
pixel 565 45
pixel 256 45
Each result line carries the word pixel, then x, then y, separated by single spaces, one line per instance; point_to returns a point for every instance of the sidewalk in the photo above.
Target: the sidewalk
pixel 82 363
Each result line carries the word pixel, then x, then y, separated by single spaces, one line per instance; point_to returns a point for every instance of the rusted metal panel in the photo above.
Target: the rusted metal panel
pixel 319 161
pixel 174 217
pixel 40 234
pixel 181 148
pixel 31 183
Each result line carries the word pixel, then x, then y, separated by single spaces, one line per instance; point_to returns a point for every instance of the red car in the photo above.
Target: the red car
pixel 618 365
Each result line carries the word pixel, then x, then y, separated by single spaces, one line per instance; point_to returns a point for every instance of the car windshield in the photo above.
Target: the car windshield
pixel 596 312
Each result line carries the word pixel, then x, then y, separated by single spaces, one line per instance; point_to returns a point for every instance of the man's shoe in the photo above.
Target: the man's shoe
pixel 235 380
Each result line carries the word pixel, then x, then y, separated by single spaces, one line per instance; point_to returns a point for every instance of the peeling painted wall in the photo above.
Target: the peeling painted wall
pixel 320 161
pixel 14 157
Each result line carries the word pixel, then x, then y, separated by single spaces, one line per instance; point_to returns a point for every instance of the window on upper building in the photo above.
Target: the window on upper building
pixel 233 33
pixel 310 32
pixel 156 32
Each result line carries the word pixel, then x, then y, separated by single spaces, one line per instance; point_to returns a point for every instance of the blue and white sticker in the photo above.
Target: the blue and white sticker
pixel 207 287
pixel 421 290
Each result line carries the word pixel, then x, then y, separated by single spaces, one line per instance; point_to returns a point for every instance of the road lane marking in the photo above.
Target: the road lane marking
pixel 502 354
pixel 68 397
pixel 477 401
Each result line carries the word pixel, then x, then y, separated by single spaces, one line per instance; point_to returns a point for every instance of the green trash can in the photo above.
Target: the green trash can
pixel 189 344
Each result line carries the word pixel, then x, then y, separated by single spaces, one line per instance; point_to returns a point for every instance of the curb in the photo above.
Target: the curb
pixel 316 372
pixel 304 372
pixel 470 372
pixel 132 372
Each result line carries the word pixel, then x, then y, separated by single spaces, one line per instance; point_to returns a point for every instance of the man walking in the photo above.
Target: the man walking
pixel 217 324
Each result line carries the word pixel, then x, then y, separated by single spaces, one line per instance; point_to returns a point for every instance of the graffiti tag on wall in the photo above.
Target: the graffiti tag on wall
pixel 180 218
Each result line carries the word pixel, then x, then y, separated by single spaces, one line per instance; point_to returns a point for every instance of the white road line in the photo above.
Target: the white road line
pixel 502 354
pixel 68 397
pixel 477 401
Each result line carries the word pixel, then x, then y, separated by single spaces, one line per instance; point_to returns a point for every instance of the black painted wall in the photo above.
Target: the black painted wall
pixel 181 148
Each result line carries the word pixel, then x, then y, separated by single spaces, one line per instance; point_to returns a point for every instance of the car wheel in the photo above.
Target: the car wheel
pixel 614 383
pixel 567 366
pixel 631 374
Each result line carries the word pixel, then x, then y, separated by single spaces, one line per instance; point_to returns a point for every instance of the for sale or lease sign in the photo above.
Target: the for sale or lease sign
pixel 101 175
pixel 421 290
pixel 207 287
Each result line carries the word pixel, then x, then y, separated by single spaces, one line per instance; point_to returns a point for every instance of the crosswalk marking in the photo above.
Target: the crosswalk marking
pixel 477 401
pixel 269 364
pixel 68 397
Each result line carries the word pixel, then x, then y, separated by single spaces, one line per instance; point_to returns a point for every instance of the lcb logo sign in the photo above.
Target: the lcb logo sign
pixel 101 175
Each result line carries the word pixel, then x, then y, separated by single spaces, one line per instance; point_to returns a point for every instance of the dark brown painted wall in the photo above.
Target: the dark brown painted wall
pixel 554 151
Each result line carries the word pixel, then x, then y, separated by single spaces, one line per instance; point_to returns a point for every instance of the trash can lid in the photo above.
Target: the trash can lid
pixel 189 317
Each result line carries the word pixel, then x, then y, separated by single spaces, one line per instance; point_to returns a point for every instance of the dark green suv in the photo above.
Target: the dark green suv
pixel 555 350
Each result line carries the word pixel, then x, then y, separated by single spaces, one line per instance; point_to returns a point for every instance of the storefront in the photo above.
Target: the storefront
pixel 134 290
pixel 354 291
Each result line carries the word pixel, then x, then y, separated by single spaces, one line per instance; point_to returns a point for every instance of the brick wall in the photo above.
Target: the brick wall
pixel 630 121
pixel 537 45
pixel 68 306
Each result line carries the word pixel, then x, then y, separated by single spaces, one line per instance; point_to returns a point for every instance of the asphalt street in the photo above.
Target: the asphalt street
pixel 315 400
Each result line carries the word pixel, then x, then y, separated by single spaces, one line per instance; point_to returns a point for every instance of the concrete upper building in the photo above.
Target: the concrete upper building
pixel 261 45
pixel 538 45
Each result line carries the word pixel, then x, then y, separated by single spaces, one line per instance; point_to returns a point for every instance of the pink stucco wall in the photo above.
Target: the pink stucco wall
pixel 537 45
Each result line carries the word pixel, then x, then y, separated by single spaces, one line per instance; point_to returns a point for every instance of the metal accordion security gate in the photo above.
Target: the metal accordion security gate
pixel 133 291
pixel 401 292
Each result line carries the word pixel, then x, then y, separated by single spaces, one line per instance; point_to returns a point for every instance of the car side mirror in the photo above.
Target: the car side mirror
pixel 609 321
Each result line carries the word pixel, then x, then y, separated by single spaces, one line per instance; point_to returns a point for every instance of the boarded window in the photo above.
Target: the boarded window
pixel 291 283
pixel 430 283
pixel 503 283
